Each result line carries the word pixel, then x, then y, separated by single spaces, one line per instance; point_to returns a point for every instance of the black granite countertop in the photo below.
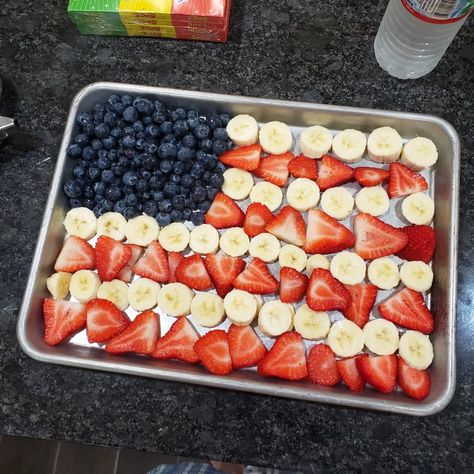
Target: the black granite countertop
pixel 318 51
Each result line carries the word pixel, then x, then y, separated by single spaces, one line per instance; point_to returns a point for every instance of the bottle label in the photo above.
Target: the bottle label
pixel 439 11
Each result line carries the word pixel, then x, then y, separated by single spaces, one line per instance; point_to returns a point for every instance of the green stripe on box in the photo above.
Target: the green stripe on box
pixel 99 16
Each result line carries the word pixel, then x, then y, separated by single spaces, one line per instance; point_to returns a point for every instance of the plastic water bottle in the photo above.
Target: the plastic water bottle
pixel 414 34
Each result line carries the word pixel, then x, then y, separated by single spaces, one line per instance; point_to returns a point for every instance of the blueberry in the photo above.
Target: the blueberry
pixel 138 126
pixel 140 144
pixel 152 130
pixel 198 194
pixel 197 170
pixel 158 116
pixel 131 200
pixel 178 202
pixel 150 208
pixel 214 122
pixel 142 185
pixel 166 128
pixel 201 155
pixel 78 172
pixel 94 173
pixel 170 190
pixel 150 162
pixel 116 132
pixel 72 188
pixel 144 106
pixel 192 114
pixel 225 119
pixel 82 140
pixel 119 108
pixel 89 203
pixel 127 100
pixel 118 170
pixel 166 151
pixel 186 213
pixel 187 180
pixel 204 206
pixel 113 99
pixel 185 154
pixel 174 116
pixel 75 202
pixel 163 219
pixel 219 147
pixel 188 202
pixel 130 153
pixel 180 128
pixel 175 179
pixel 130 178
pixel 130 114
pixel 206 177
pixel 136 163
pixel 216 180
pixel 211 193
pixel 109 142
pixel 88 129
pixel 156 183
pixel 197 218
pixel 170 138
pixel 120 206
pixel 99 188
pixel 102 154
pixel 190 141
pixel 84 118
pixel 147 120
pixel 74 151
pixel 150 147
pixel 178 168
pixel 89 154
pixel 193 123
pixel 88 191
pixel 103 163
pixel 102 130
pixel 128 130
pixel 107 176
pixel 220 134
pixel 202 131
pixel 99 210
pixel 128 141
pixel 129 212
pixel 181 113
pixel 146 175
pixel 165 205
pixel 113 155
pixel 110 119
pixel 107 204
pixel 176 216
pixel 157 196
pixel 210 162
pixel 205 145
pixel 113 193
pixel 166 166
pixel 99 110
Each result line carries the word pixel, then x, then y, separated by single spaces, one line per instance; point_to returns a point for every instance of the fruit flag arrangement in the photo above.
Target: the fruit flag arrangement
pixel 291 249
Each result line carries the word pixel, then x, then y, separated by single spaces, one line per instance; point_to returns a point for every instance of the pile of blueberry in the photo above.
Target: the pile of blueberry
pixel 135 156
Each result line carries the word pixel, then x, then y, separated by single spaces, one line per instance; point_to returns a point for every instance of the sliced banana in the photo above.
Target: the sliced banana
pixel 373 200
pixel 237 183
pixel 381 337
pixel 383 273
pixel 275 318
pixel 311 324
pixel 337 202
pixel 292 256
pixel 204 239
pixel 317 261
pixel 418 208
pixel 115 291
pixel 81 222
pixel 384 145
pixel 58 284
pixel 175 299
pixel 416 350
pixel 265 246
pixel 208 309
pixel 83 285
pixel 174 237
pixel 345 338
pixel 349 145
pixel 112 224
pixel 259 299
pixel 302 194
pixel 142 230
pixel 243 130
pixel 241 307
pixel 348 268
pixel 234 242
pixel 419 153
pixel 315 141
pixel 291 308
pixel 275 138
pixel 416 275
pixel 268 194
pixel 142 294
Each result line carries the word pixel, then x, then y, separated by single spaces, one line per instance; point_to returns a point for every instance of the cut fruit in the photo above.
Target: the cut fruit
pixel 303 167
pixel 404 181
pixel 246 348
pixel 104 320
pixel 363 298
pixel 350 374
pixel 379 371
pixel 110 256
pixel 256 279
pixel 322 367
pixel 245 157
pixel 325 293
pixel 288 225
pixel 333 173
pixel 213 350
pixel 257 217
pixel 76 254
pixel 192 273
pixel 274 168
pixel 62 319
pixel 153 264
pixel 224 213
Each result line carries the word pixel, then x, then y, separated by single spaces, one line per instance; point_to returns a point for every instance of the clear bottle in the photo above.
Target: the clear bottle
pixel 414 34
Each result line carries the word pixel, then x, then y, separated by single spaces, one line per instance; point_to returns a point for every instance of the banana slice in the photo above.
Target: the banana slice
pixel 243 130
pixel 416 350
pixel 291 308
pixel 348 268
pixel 84 285
pixel 241 307
pixel 383 273
pixel 416 275
pixel 373 200
pixel 337 202
pixel 58 284
pixel 268 194
pixel 174 237
pixel 349 145
pixel 112 224
pixel 208 309
pixel 381 337
pixel 260 301
pixel 142 294
pixel 384 145
pixel 275 318
pixel 175 299
pixel 315 141
pixel 275 138
pixel 345 338
pixel 418 208
pixel 115 291
pixel 311 324
pixel 234 242
pixel 302 194
pixel 317 261
pixel 81 222
pixel 204 239
pixel 292 256
pixel 237 183
pixel 419 153
pixel 265 246
pixel 142 230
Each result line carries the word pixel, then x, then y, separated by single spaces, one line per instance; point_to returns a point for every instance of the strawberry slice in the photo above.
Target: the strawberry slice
pixel 244 157
pixel 257 217
pixel 324 234
pixel 349 373
pixel 414 383
pixel 246 348
pixel 256 279
pixel 213 350
pixel 126 273
pixel 375 238
pixel 379 371
pixel 293 285
pixel 174 259
pixel 407 309
pixel 288 225
pixel 153 264
pixel 421 243
pixel 192 272
pixel 62 319
pixel 104 320
pixel 333 173
pixel 223 270
pixel 326 293
pixel 322 368
pixel 303 167
pixel 274 168
pixel 224 212
pixel 76 254
pixel 368 176
pixel 140 336
pixel 286 359
pixel 110 256
pixel 404 181
pixel 363 300
pixel 178 342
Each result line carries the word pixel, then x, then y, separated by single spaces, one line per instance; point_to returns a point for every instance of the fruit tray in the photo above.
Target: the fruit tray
pixel 443 183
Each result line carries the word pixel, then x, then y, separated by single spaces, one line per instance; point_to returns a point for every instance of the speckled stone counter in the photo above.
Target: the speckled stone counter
pixel 301 50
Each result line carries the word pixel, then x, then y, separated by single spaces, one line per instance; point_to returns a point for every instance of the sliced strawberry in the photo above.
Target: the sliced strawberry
pixel 350 374
pixel 110 256
pixel 153 264
pixel 192 272
pixel 322 368
pixel 140 336
pixel 174 259
pixel 62 319
pixel 415 383
pixel 288 225
pixel 293 285
pixel 303 167
pixel 256 279
pixel 286 359
pixel 404 181
pixel 421 243
pixel 104 320
pixel 379 371
pixel 257 217
pixel 363 299
pixel 246 348
pixel 126 273
pixel 223 270
pixel 213 350
pixel 324 234
pixel 375 238
pixel 367 176
pixel 274 168
pixel 326 293
pixel 76 254
pixel 178 342
pixel 333 173
pixel 407 309
pixel 224 212
pixel 244 157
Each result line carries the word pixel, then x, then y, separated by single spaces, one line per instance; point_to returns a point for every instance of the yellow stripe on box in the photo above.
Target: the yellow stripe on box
pixel 147 30
pixel 145 12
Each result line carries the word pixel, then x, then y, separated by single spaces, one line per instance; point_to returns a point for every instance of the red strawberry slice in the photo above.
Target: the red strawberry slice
pixel 293 285
pixel 303 167
pixel 256 279
pixel 375 238
pixel 62 319
pixel 286 359
pixel 140 336
pixel 76 254
pixel 326 293
pixel 213 350
pixel 421 243
pixel 379 371
pixel 223 270
pixel 192 272
pixel 257 217
pixel 153 264
pixel 244 157
pixel 104 320
pixel 178 342
pixel 224 212
pixel 325 234
pixel 415 383
pixel 367 176
pixel 246 348
pixel 288 225
pixel 407 309
pixel 333 173
pixel 322 366
pixel 174 259
pixel 126 273
pixel 404 181
pixel 110 256
pixel 363 300
pixel 274 168
pixel 350 374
